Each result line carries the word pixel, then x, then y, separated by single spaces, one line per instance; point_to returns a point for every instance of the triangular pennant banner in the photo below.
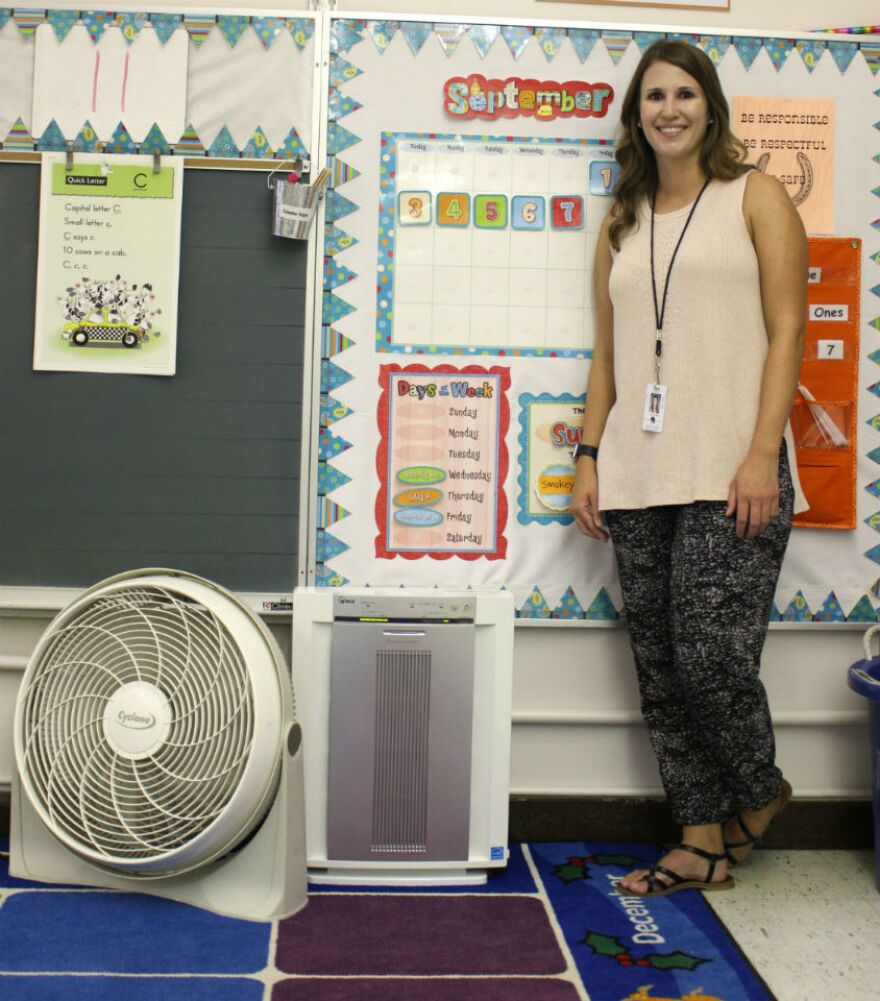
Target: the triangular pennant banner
pixel 875 355
pixel 51 141
pixel 715 46
pixel 329 445
pixel 811 52
pixel 876 224
pixel 862 611
pixel 382 32
pixel 876 290
pixel 155 142
pixel 27 21
pixel 645 38
pixel 876 257
pixel 616 42
pixel 582 41
pixel 6 13
pixel 292 148
pixel 96 21
pixel 18 138
pixel 482 36
pixel 843 53
pixel 550 40
pixel 676 36
pixel 335 241
pixel 830 611
pixel 778 50
pixel 340 106
pixel 61 20
pixel 798 610
pixel 339 138
pixel 189 143
pixel 165 25
pixel 332 376
pixel 325 577
pixel 121 141
pixel 874 455
pixel 329 512
pixel 875 389
pixel 332 342
pixel 569 607
pixel 338 206
pixel 268 29
pixel 224 144
pixel 871 52
pixel 517 38
pixel 874 422
pixel 602 607
pixel 747 49
pixel 875 323
pixel 86 139
pixel 232 27
pixel 131 25
pixel 342 71
pixel 331 411
pixel 346 33
pixel 340 172
pixel 416 34
pixel 328 546
pixel 874 554
pixel 199 26
pixel 301 30
pixel 873 521
pixel 334 309
pixel 449 36
pixel 534 607
pixel 774 613
pixel 257 147
pixel 336 275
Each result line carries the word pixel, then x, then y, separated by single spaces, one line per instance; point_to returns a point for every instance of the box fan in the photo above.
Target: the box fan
pixel 157 750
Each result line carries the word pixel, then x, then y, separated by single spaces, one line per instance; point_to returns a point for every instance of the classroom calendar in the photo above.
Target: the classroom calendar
pixel 486 243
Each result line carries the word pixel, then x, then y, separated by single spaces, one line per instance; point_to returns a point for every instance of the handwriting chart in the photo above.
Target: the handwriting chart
pixel 486 243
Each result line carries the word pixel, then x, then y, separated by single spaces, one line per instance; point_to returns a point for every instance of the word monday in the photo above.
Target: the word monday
pixel 476 97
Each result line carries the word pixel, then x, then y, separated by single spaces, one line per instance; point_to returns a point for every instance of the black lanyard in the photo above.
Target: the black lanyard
pixel 660 311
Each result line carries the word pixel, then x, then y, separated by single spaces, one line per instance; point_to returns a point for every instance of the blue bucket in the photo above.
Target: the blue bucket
pixel 864 678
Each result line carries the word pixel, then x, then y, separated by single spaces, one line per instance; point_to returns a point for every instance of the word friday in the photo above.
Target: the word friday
pixel 476 97
pixel 453 208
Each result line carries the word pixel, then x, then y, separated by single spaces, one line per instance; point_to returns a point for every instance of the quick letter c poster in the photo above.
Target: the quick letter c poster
pixel 793 139
pixel 442 461
pixel 108 264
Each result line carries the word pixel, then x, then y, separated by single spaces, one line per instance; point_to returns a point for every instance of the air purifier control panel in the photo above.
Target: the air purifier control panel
pixel 402 607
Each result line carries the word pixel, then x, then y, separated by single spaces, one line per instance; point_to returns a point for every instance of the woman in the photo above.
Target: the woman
pixel 700 293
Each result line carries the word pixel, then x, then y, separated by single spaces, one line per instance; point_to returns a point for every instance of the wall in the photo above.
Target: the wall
pixel 576 725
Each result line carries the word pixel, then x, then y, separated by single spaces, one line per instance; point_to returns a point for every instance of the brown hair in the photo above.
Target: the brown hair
pixel 722 155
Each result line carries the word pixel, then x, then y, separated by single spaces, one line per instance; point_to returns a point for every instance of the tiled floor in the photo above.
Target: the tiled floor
pixel 809 922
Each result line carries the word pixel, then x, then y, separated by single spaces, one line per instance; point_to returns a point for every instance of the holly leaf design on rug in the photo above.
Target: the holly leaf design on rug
pixel 576 867
pixel 604 945
pixel 675 961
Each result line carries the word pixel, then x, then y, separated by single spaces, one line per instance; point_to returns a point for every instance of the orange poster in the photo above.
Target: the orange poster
pixel 793 139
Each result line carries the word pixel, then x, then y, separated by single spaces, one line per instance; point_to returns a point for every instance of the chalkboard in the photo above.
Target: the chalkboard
pixel 200 471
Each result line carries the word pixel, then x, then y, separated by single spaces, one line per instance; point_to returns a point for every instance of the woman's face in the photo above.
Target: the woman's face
pixel 673 111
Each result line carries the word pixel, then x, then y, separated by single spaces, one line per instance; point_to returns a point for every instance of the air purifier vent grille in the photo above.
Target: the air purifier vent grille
pixel 400 789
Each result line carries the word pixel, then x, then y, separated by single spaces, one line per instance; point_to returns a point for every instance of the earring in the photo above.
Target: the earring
pixel 638 125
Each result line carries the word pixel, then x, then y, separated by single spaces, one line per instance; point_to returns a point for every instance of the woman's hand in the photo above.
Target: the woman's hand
pixel 585 500
pixel 754 494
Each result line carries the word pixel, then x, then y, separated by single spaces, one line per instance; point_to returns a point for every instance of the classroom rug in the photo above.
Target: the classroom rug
pixel 549 927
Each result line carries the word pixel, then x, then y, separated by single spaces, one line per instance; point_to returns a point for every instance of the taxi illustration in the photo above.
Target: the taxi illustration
pixel 103 328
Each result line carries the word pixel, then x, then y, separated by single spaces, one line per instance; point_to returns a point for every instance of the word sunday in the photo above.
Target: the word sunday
pixel 476 97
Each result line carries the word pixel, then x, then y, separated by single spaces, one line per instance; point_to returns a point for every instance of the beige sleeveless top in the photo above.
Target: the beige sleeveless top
pixel 714 347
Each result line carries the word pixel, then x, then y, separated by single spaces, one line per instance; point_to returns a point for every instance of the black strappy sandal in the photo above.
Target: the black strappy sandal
pixel 661 888
pixel 751 840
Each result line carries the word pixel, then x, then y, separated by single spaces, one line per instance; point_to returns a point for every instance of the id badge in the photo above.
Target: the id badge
pixel 655 407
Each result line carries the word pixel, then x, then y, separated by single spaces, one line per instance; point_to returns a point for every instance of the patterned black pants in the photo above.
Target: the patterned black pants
pixel 697 602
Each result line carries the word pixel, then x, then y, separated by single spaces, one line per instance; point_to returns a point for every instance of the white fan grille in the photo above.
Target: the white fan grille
pixel 106 802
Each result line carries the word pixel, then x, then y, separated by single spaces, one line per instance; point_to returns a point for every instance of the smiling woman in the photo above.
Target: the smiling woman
pixel 685 450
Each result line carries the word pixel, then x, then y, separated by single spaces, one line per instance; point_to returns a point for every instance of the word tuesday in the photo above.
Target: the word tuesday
pixel 476 97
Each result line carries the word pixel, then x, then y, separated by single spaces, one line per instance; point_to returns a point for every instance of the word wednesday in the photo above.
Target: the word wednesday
pixel 476 97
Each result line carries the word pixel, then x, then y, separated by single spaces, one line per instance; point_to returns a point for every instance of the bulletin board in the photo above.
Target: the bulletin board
pixel 475 163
